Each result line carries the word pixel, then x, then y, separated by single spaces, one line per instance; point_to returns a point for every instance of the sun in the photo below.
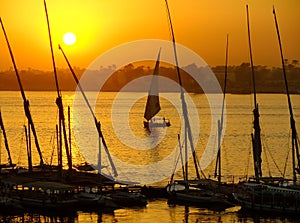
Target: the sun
pixel 69 38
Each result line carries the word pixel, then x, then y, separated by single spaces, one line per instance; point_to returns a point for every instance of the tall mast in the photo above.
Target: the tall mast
pixel 295 146
pixel 28 147
pixel 25 101
pixel 220 122
pixel 97 123
pixel 256 138
pixel 70 132
pixel 59 98
pixel 5 140
pixel 183 103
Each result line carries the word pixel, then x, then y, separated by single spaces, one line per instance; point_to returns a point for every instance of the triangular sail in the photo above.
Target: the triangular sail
pixel 153 105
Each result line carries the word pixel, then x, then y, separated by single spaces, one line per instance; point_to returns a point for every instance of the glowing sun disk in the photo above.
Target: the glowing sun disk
pixel 69 38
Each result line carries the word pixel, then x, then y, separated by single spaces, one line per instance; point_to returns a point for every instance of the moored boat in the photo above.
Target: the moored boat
pixel 271 194
pixel 195 196
pixel 47 195
pixel 269 198
pixel 185 192
pixel 127 198
pixel 95 201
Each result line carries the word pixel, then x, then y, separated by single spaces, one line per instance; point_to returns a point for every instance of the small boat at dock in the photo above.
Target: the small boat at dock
pixel 184 192
pixel 274 195
pixel 47 195
pixel 127 198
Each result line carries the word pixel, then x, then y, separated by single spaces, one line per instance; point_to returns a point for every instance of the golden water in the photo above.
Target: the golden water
pixel 236 145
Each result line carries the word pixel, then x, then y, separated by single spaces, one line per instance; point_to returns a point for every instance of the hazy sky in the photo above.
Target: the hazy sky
pixel 101 25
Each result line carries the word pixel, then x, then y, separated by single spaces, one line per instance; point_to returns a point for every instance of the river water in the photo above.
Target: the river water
pixel 150 157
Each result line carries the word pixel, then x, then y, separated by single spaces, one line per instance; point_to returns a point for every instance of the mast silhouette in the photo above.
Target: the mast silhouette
pixel 256 136
pixel 25 100
pixel 295 141
pixel 59 103
pixel 6 141
pixel 28 147
pixel 97 123
pixel 187 126
pixel 220 122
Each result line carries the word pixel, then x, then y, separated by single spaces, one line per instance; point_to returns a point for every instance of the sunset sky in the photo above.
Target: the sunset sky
pixel 101 25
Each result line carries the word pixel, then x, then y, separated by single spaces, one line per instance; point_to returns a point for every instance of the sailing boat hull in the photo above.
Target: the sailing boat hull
pixel 151 124
pixel 198 197
pixel 271 199
pixel 212 201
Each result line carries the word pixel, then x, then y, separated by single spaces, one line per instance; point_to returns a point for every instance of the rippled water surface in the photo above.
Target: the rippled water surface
pixel 149 157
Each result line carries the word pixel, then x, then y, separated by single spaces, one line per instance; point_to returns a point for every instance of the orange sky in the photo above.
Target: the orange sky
pixel 101 25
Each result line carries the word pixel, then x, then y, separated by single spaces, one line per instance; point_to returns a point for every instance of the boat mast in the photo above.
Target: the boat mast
pixel 187 126
pixel 25 101
pixel 256 138
pixel 220 122
pixel 5 140
pixel 295 146
pixel 97 123
pixel 28 147
pixel 59 102
pixel 181 159
pixel 70 132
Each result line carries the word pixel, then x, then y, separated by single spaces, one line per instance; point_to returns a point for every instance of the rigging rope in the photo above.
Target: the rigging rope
pixel 201 171
pixel 266 156
pixel 225 155
pixel 272 157
pixel 20 149
pixel 179 156
pixel 53 147
pixel 288 153
pixel 266 149
pixel 248 164
pixel 169 25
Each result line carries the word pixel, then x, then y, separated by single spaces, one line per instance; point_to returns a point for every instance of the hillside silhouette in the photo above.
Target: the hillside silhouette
pixel 268 80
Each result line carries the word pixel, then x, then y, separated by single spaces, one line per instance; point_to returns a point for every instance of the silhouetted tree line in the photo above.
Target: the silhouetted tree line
pixel 268 80
pixel 37 80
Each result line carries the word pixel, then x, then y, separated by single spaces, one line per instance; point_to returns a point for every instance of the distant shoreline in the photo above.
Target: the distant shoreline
pixel 239 79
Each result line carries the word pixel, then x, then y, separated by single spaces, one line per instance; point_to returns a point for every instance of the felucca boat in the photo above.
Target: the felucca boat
pixel 186 191
pixel 153 105
pixel 277 195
